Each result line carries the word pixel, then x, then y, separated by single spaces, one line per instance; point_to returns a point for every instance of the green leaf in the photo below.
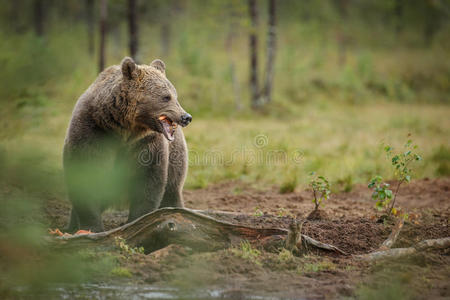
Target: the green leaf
pixel 388 193
pixel 395 159
pixel 408 178
pixel 377 178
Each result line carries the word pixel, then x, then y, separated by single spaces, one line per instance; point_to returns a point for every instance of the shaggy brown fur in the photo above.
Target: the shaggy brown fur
pixel 117 145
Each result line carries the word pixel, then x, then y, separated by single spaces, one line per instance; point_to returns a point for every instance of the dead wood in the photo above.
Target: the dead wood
pixel 187 227
pixel 387 244
pixel 433 244
pixel 385 250
pixel 442 243
pixel 317 244
pixel 294 236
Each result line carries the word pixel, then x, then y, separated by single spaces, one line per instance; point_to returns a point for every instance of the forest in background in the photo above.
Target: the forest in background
pixel 351 51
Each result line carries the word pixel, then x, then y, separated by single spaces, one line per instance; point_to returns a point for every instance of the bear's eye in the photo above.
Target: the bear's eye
pixel 166 98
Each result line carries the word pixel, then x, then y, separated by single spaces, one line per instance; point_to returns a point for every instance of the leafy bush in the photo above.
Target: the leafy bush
pixel 321 189
pixel 401 163
pixel 381 193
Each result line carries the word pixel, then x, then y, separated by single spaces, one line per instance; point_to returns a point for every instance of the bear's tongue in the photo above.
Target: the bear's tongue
pixel 168 128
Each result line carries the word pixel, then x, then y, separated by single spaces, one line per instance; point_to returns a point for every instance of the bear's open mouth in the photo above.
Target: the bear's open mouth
pixel 168 127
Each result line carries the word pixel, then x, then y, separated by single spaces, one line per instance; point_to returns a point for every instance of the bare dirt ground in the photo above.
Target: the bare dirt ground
pixel 349 222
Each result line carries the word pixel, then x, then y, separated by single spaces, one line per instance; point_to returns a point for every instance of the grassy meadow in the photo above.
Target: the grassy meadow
pixel 325 117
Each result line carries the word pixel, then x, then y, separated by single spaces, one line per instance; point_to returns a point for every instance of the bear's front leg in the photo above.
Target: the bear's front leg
pixel 149 180
pixel 86 208
pixel 85 178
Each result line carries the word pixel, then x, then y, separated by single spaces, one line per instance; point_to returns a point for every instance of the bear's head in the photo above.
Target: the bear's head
pixel 154 98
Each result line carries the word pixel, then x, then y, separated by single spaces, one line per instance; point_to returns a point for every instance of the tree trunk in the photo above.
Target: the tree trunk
pixel 229 45
pixel 398 10
pixel 254 85
pixel 39 17
pixel 271 48
pixel 168 12
pixel 133 29
pixel 342 39
pixel 14 14
pixel 90 25
pixel 103 16
pixel 432 23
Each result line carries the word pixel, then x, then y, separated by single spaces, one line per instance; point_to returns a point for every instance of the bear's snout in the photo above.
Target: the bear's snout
pixel 185 119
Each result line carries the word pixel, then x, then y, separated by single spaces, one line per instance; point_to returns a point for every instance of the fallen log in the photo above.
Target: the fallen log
pixel 187 227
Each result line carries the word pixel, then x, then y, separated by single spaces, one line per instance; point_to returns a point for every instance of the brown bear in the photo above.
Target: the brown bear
pixel 124 141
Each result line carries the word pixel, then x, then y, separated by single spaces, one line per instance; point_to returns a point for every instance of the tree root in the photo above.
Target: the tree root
pixel 390 241
pixel 198 231
pixel 434 244
pixel 201 232
pixel 385 251
pixel 320 245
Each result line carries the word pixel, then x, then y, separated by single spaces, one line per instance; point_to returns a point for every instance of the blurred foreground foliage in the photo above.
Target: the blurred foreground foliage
pixel 28 264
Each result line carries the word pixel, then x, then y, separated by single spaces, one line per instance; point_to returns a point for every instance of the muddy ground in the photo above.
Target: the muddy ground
pixel 348 221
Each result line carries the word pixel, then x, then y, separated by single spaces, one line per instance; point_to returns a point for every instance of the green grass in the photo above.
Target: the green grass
pixel 325 117
pixel 121 272
pixel 313 264
pixel 337 140
pixel 247 252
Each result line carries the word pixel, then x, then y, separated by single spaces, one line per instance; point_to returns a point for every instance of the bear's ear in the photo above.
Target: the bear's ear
pixel 159 64
pixel 129 68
